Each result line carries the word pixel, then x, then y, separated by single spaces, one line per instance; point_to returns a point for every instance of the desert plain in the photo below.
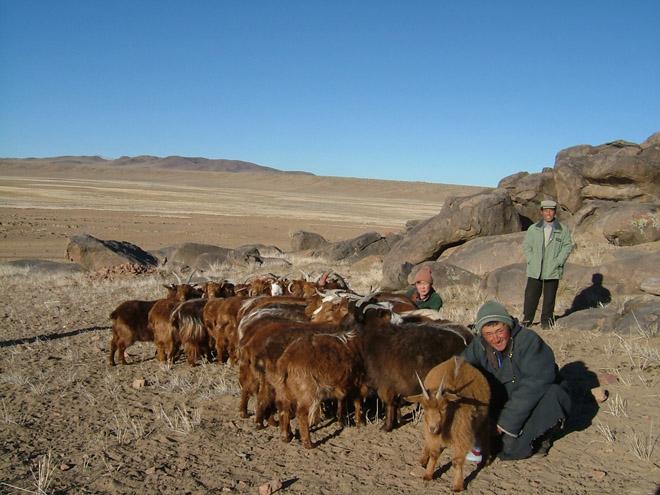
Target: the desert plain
pixel 69 423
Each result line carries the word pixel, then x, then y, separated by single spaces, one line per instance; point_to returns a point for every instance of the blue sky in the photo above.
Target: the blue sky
pixel 462 92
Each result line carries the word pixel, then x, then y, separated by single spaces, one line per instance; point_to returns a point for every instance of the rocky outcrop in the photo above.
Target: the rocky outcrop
pixel 616 171
pixel 445 274
pixel 351 250
pixel 461 219
pixel 94 254
pixel 302 240
pixel 619 223
pixel 486 254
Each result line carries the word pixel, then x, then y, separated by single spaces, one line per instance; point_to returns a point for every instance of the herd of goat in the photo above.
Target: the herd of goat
pixel 299 343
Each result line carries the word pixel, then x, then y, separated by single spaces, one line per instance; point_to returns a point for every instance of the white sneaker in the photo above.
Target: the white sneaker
pixel 474 456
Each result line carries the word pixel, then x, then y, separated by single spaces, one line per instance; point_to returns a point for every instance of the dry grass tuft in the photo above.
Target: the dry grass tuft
pixel 642 446
pixel 606 432
pixel 181 420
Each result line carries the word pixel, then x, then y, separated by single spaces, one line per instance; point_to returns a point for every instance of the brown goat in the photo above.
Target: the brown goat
pixel 188 325
pixel 167 344
pixel 221 320
pixel 130 324
pixel 314 368
pixel 455 397
pixel 213 290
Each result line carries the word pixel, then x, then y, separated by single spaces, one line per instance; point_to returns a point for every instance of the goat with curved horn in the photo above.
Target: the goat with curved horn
pixel 438 394
pixel 421 384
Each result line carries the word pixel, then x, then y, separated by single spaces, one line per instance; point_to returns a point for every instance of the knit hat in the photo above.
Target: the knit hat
pixel 548 203
pixel 424 275
pixel 492 311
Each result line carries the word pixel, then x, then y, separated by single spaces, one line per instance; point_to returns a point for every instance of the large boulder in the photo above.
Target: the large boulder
pixel 192 255
pixel 601 319
pixel 614 171
pixel 95 254
pixel 445 274
pixel 506 284
pixel 641 316
pixel 302 240
pixel 351 250
pixel 528 190
pixel 623 223
pixel 461 219
pixel 485 254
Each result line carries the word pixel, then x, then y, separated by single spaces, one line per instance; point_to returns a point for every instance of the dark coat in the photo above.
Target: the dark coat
pixel 527 372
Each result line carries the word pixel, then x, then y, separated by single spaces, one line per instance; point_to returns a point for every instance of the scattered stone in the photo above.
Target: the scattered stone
pixel 65 466
pixel 151 470
pixel 139 383
pixel 598 474
pixel 270 487
pixel 600 394
pixel 417 472
pixel 607 379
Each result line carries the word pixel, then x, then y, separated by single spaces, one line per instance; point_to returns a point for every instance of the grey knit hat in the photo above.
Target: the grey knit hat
pixel 492 311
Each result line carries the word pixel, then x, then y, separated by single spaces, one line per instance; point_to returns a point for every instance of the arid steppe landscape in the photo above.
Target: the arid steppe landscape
pixel 69 423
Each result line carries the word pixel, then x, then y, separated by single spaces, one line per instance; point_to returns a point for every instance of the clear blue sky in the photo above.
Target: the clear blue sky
pixel 462 92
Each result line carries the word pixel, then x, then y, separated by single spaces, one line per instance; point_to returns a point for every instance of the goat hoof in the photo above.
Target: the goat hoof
pixel 259 426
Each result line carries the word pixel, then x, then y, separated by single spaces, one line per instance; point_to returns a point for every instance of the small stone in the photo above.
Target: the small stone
pixel 65 466
pixel 271 487
pixel 151 470
pixel 418 472
pixel 598 474
pixel 139 383
pixel 600 394
pixel 607 379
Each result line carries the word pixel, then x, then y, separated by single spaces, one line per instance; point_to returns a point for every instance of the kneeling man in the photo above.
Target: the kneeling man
pixel 529 403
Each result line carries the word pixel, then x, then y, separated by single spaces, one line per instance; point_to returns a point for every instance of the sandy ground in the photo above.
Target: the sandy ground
pixel 65 413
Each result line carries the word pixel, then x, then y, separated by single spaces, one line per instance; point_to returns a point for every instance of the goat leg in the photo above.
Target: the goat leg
pixel 285 423
pixel 457 464
pixel 302 414
pixel 430 465
pixel 357 405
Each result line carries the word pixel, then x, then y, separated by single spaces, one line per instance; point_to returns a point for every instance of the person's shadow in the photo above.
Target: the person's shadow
pixel 594 296
pixel 578 381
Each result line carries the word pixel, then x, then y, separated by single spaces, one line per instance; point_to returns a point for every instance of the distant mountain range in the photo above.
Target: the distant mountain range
pixel 147 161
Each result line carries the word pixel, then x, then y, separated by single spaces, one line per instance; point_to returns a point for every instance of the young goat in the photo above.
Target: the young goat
pixel 455 397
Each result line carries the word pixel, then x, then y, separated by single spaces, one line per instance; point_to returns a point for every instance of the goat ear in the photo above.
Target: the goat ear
pixel 415 398
pixel 451 397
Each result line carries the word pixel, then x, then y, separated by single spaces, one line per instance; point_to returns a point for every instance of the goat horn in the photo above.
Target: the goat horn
pixel 193 271
pixel 178 279
pixel 304 275
pixel 421 384
pixel 438 394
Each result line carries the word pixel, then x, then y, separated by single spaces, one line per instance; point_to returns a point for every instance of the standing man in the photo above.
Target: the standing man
pixel 546 246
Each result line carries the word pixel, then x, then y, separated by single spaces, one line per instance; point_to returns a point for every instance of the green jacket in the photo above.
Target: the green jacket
pixel 547 262
pixel 527 371
pixel 434 300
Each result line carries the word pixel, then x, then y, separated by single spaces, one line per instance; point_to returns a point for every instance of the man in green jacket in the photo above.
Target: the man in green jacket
pixel 528 401
pixel 423 294
pixel 546 246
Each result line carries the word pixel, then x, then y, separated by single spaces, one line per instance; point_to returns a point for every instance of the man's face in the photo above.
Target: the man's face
pixel 548 214
pixel 423 289
pixel 497 334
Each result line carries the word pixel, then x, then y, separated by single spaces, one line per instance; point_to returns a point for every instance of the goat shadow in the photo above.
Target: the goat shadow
pixel 50 336
pixel 579 381
pixel 594 296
